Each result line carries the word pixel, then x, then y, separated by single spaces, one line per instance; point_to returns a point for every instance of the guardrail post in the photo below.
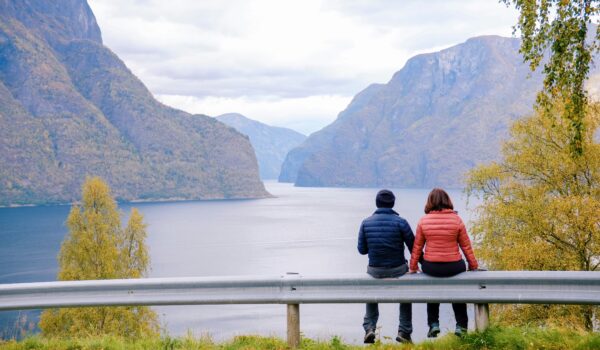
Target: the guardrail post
pixel 482 317
pixel 293 325
pixel 293 317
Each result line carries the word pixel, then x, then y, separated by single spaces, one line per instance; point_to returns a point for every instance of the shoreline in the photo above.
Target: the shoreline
pixel 144 201
pixel 267 195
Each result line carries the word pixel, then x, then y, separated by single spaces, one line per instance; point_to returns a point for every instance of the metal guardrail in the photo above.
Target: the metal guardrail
pixel 531 287
pixel 479 287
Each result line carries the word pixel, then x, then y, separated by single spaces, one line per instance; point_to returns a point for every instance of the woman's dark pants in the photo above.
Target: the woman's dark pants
pixel 445 269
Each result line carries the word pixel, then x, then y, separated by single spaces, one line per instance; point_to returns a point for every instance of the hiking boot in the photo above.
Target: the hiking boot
pixel 370 336
pixel 460 331
pixel 403 338
pixel 434 330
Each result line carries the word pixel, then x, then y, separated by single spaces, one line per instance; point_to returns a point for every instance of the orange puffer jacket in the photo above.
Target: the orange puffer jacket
pixel 444 232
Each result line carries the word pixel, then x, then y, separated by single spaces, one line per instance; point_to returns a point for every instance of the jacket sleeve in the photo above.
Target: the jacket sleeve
pixel 363 248
pixel 417 248
pixel 465 245
pixel 407 236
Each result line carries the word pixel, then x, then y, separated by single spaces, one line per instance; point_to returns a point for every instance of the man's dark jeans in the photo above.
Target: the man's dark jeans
pixel 372 314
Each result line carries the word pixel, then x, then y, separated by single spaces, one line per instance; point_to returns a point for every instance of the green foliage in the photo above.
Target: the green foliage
pixel 542 203
pixel 540 208
pixel 530 338
pixel 133 250
pixel 98 248
pixel 493 338
pixel 561 27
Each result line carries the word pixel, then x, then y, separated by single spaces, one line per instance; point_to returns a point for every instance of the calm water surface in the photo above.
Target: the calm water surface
pixel 305 230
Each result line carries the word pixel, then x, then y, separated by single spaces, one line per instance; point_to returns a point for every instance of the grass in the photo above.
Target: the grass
pixel 493 338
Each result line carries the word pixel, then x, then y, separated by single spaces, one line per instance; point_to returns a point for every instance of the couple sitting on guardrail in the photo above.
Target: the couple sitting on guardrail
pixel 441 232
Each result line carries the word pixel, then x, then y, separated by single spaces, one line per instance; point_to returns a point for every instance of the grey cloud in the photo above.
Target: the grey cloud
pixel 433 23
pixel 257 85
pixel 141 53
pixel 202 67
pixel 210 15
pixel 416 12
pixel 133 47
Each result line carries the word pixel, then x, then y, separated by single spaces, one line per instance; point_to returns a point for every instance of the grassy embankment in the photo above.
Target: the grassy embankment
pixel 494 338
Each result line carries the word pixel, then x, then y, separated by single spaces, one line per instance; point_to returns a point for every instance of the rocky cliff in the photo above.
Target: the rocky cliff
pixel 69 107
pixel 439 116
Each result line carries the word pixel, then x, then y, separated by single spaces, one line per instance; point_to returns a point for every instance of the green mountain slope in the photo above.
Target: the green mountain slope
pixel 72 108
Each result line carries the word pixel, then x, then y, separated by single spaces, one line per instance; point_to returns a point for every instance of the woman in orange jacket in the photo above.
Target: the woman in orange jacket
pixel 441 232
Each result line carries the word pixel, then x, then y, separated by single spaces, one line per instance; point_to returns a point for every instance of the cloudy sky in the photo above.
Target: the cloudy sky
pixel 292 63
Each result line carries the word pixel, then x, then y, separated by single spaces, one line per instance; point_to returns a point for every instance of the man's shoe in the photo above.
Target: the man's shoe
pixel 370 337
pixel 434 330
pixel 460 331
pixel 403 338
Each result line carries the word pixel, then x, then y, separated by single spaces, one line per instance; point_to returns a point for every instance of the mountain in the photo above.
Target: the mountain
pixel 69 107
pixel 270 143
pixel 439 116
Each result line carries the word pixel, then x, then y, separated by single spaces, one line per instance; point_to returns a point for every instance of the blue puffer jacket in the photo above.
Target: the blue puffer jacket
pixel 383 236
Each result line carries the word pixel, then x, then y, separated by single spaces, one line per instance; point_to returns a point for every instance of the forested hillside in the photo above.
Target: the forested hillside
pixel 69 107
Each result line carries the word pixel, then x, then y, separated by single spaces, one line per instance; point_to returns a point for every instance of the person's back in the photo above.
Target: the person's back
pixel 383 236
pixel 442 230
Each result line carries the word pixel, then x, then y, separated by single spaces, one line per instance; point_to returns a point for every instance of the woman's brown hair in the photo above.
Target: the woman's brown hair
pixel 438 200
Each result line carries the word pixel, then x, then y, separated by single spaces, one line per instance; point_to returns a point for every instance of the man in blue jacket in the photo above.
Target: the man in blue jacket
pixel 383 236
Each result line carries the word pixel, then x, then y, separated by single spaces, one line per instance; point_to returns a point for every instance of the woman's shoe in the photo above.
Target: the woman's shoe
pixel 434 330
pixel 460 331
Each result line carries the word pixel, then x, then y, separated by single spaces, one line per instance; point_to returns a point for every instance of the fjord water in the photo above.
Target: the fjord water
pixel 305 230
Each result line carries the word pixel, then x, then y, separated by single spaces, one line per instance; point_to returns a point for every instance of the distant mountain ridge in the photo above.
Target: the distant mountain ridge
pixel 69 107
pixel 270 143
pixel 439 116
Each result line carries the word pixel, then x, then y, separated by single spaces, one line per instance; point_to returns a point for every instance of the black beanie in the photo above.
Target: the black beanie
pixel 385 199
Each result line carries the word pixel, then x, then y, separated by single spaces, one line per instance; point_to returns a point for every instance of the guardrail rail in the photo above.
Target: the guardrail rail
pixel 478 287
